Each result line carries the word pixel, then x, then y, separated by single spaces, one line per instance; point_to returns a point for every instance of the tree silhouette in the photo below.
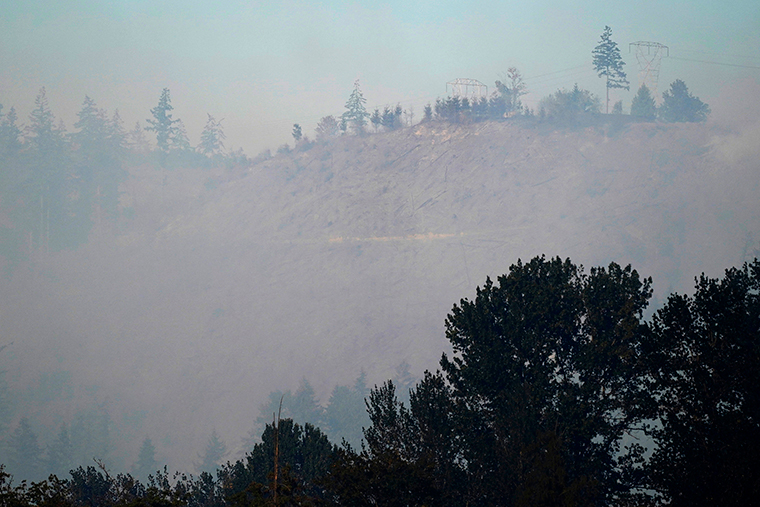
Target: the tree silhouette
pixel 678 105
pixel 609 64
pixel 162 122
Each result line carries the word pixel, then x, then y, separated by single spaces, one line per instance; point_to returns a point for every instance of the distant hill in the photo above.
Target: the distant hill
pixel 349 255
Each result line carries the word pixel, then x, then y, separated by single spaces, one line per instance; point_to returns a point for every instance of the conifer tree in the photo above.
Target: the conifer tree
pixel 643 104
pixel 213 454
pixel 25 456
pixel 162 123
pixel 60 453
pixel 609 64
pixel 297 132
pixel 678 105
pixel 146 463
pixel 10 133
pixel 356 114
pixel 212 137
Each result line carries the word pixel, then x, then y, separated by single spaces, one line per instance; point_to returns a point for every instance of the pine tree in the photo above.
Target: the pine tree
pixel 25 456
pixel 643 105
pixel 213 454
pixel 181 141
pixel 609 64
pixel 60 453
pixel 297 132
pixel 10 133
pixel 162 123
pixel 146 463
pixel 136 139
pixel 356 113
pixel 212 137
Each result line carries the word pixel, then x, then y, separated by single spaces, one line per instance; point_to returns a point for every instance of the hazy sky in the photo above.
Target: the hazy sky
pixel 263 66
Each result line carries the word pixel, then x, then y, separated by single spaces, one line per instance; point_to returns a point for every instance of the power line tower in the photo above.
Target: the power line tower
pixel 467 88
pixel 649 55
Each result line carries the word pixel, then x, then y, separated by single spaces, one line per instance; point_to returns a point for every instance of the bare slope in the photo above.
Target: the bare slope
pixel 350 254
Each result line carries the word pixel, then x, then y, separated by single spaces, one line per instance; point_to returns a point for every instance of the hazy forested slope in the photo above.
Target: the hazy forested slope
pixel 316 263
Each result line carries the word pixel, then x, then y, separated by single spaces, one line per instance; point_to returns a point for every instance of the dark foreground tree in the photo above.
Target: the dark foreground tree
pixel 703 355
pixel 678 105
pixel 531 407
pixel 541 376
pixel 304 451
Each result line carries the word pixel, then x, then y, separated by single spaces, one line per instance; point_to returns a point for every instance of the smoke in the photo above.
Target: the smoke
pixel 736 111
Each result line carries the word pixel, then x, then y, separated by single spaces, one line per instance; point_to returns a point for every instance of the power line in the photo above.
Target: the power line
pixel 720 54
pixel 717 63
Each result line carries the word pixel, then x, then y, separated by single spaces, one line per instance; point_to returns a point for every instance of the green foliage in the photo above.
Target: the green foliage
pixel 61 453
pixel 99 146
pixel 391 118
pixel 609 64
pixel 346 413
pixel 327 128
pixel 356 114
pixel 304 449
pixel 546 351
pixel 162 122
pixel 510 90
pixel 212 137
pixel 10 134
pixel 565 105
pixel 678 105
pixel 427 113
pixel 643 105
pixel 25 452
pixel 297 133
pixel 146 463
pixel 702 356
pixel 213 455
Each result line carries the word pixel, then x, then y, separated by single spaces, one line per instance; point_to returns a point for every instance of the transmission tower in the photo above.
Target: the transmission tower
pixel 467 88
pixel 649 55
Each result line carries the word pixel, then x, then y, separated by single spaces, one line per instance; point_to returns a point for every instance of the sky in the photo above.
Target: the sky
pixel 263 66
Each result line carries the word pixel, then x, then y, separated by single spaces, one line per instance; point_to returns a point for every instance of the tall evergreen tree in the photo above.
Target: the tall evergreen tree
pixel 356 114
pixel 609 64
pixel 213 454
pixel 60 453
pixel 25 453
pixel 10 134
pixel 162 122
pixel 146 463
pixel 47 180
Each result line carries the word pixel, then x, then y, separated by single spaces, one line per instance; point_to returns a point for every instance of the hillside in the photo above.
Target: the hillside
pixel 349 255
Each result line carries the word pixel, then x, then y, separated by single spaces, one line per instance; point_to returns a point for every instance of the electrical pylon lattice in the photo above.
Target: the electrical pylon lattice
pixel 649 55
pixel 467 88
